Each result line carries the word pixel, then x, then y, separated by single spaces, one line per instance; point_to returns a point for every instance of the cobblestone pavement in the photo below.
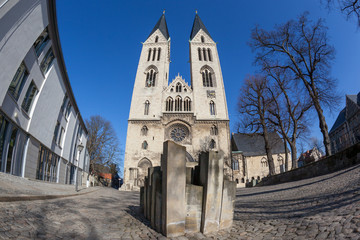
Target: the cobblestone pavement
pixel 326 207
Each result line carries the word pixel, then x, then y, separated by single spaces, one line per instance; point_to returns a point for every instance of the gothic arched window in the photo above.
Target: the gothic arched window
pixel 154 54
pixel 159 52
pixel 178 87
pixel 144 130
pixel 144 145
pixel 212 108
pixel 204 52
pixel 156 39
pixel 202 39
pixel 147 106
pixel 235 164
pixel 199 53
pixel 212 144
pixel 178 103
pixel 149 55
pixel 214 130
pixel 208 77
pixel 169 104
pixel 264 162
pixel 209 53
pixel 187 104
pixel 150 78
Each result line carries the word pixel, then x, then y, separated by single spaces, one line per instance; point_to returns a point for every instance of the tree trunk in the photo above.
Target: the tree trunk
pixel 269 153
pixel 324 128
pixel 286 156
pixel 293 156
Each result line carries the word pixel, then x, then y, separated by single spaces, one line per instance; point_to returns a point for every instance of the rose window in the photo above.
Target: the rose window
pixel 178 133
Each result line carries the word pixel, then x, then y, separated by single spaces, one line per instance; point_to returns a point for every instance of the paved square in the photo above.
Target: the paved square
pixel 326 207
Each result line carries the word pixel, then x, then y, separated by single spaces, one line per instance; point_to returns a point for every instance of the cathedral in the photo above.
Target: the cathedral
pixel 194 116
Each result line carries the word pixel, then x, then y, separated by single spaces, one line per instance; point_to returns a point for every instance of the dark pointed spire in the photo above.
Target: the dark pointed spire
pixel 161 25
pixel 198 24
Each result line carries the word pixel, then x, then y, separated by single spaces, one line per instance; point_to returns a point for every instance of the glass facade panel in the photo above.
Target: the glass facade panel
pixel 41 42
pixel 47 61
pixel 11 150
pixel 29 97
pixel 18 81
pixel 3 128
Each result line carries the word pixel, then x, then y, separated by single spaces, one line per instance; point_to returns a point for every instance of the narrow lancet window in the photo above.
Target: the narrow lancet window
pixel 199 53
pixel 159 52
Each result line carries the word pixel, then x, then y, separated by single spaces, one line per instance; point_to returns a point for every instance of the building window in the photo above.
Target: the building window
pixel 62 133
pixel 178 87
pixel 41 42
pixel 159 52
pixel 18 81
pixel 178 103
pixel 11 149
pixel 147 106
pixel 156 39
pixel 212 108
pixel 144 145
pixel 235 164
pixel 207 78
pixel 202 39
pixel 264 162
pixel 68 110
pixel 204 52
pixel 144 130
pixel 199 53
pixel 154 54
pixel 214 130
pixel 56 132
pixel 149 54
pixel 150 78
pixel 29 97
pixel 212 144
pixel 209 53
pixel 65 99
pixel 48 164
pixel 3 128
pixel 169 104
pixel 187 104
pixel 47 61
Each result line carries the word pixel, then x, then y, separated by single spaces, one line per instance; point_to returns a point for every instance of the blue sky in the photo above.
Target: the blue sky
pixel 101 42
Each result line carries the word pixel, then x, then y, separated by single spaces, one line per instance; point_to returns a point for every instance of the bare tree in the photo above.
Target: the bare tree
pixel 253 105
pixel 302 48
pixel 348 7
pixel 287 112
pixel 102 144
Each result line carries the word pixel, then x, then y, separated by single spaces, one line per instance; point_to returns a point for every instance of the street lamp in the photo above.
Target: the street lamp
pixel 80 147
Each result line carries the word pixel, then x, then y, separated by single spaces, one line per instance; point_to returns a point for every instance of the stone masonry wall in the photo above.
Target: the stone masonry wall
pixel 338 161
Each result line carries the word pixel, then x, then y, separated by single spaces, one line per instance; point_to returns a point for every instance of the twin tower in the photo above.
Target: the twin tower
pixel 194 116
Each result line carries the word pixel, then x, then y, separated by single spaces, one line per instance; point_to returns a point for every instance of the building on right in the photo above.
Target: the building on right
pixel 346 130
pixel 249 161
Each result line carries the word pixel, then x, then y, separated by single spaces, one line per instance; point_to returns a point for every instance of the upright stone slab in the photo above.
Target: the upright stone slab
pixel 211 178
pixel 145 195
pixel 194 197
pixel 228 201
pixel 189 175
pixel 142 199
pixel 173 189
pixel 148 194
pixel 155 178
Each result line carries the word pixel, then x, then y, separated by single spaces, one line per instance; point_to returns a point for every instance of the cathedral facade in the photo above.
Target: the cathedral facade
pixel 194 116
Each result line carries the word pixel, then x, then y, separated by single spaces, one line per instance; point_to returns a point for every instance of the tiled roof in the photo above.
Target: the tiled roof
pixel 254 144
pixel 339 120
pixel 198 24
pixel 162 26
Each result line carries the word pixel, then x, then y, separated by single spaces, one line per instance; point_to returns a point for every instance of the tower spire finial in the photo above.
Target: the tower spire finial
pixel 164 11
pixel 196 11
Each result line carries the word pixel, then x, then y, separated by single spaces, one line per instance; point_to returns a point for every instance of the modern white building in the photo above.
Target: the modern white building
pixel 193 115
pixel 40 122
